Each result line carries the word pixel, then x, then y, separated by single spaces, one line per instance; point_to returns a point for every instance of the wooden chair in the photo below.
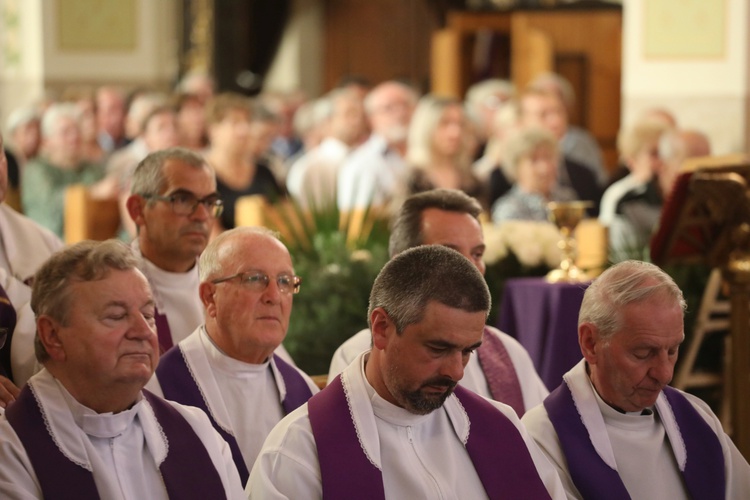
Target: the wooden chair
pixel 713 319
pixel 87 218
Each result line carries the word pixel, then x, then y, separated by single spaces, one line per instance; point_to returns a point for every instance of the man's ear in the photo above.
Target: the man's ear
pixel 206 292
pixel 48 331
pixel 588 339
pixel 136 205
pixel 382 328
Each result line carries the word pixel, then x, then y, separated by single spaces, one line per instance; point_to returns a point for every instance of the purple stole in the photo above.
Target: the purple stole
pixel 496 448
pixel 500 373
pixel 163 332
pixel 704 470
pixel 187 471
pixel 7 326
pixel 178 385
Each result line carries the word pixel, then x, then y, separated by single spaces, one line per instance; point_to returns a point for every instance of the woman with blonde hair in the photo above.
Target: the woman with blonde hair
pixel 531 159
pixel 438 148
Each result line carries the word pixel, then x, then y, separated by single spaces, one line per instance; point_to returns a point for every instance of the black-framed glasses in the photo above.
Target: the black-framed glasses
pixel 185 203
pixel 258 282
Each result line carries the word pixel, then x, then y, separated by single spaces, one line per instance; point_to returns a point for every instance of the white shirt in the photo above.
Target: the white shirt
pixel 421 456
pixel 371 176
pixel 613 195
pixel 25 246
pixel 123 450
pixel 533 389
pixel 640 449
pixel 244 398
pixel 176 296
pixel 313 176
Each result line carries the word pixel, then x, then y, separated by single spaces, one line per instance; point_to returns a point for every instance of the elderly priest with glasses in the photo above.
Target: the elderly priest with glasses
pixel 227 367
pixel 83 427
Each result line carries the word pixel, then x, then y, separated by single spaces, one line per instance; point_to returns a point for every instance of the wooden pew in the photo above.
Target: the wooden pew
pixel 87 218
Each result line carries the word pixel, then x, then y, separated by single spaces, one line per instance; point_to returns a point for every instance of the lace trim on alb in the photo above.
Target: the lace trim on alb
pixel 84 465
pixel 345 385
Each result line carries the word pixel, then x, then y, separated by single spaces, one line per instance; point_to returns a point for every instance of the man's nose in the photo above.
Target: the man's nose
pixel 453 366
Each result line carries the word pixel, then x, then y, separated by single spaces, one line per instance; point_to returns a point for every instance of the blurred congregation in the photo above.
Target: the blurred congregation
pixel 364 144
pixel 156 237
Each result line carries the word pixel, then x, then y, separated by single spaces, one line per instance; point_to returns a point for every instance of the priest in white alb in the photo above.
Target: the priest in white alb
pixel 614 428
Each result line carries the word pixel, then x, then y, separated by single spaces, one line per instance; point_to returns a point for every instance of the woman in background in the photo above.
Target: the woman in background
pixel 237 173
pixel 531 163
pixel 438 152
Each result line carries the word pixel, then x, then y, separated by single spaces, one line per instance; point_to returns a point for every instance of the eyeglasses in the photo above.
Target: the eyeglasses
pixel 184 203
pixel 258 282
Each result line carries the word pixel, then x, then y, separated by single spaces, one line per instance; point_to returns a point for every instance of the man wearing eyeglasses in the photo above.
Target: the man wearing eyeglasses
pixel 174 204
pixel 227 367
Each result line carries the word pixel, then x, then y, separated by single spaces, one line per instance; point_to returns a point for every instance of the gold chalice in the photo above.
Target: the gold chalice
pixel 566 215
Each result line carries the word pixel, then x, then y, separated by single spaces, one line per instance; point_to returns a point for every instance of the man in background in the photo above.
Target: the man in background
pixel 502 369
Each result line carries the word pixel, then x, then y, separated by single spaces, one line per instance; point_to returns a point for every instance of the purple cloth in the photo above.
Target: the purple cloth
pixel 495 447
pixel 543 317
pixel 56 474
pixel 178 385
pixel 297 390
pixel 498 452
pixel 500 373
pixel 162 331
pixel 704 469
pixel 344 468
pixel 187 471
pixel 7 327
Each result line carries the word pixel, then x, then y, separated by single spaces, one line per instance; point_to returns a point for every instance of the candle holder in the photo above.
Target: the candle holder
pixel 566 216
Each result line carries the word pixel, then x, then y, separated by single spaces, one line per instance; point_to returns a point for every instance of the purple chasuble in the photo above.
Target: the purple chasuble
pixel 7 326
pixel 187 471
pixel 500 373
pixel 178 384
pixel 163 332
pixel 495 447
pixel 704 469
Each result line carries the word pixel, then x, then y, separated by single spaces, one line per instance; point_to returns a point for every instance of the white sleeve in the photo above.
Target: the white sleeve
pixel 348 351
pixel 287 466
pixel 17 477
pixel 22 357
pixel 356 186
pixel 546 470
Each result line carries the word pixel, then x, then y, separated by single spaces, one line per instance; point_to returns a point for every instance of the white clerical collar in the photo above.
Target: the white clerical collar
pixel 102 425
pixel 628 420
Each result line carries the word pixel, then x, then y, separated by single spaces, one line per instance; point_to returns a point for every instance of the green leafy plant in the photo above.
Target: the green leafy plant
pixel 338 257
